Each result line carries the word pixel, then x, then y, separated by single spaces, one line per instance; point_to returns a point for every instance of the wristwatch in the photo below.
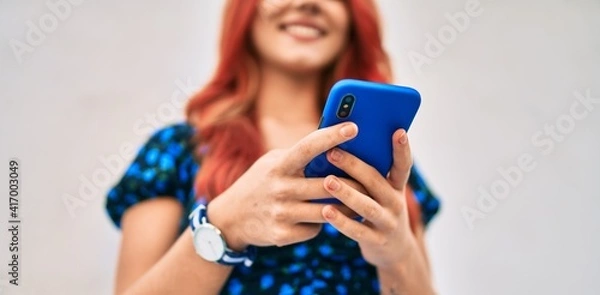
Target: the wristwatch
pixel 210 244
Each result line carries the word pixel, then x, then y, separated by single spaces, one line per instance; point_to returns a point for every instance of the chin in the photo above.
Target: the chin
pixel 304 68
pixel 305 65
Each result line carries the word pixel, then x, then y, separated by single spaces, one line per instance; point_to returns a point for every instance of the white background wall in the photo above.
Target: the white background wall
pixel 80 94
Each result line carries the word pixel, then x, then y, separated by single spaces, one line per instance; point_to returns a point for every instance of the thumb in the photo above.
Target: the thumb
pixel 400 171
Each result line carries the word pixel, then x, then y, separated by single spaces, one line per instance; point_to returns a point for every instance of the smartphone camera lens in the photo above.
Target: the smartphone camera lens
pixel 346 105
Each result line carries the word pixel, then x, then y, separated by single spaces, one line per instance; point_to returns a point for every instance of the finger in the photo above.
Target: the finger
pixel 362 204
pixel 400 171
pixel 349 227
pixel 305 212
pixel 306 189
pixel 307 231
pixel 317 143
pixel 375 184
pixel 355 185
pixel 287 235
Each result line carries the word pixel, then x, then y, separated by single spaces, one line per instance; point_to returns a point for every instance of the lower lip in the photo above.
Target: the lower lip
pixel 301 38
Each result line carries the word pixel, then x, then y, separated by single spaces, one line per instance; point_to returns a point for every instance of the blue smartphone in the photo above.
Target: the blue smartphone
pixel 378 110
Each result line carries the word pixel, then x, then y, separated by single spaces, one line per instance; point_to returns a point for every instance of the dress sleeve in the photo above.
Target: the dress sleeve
pixel 428 201
pixel 158 170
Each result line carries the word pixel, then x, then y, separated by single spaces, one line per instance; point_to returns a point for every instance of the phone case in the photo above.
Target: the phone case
pixel 379 110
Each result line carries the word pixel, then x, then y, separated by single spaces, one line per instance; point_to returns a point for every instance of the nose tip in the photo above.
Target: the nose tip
pixel 308 6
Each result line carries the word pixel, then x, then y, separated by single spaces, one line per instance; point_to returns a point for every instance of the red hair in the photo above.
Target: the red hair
pixel 228 139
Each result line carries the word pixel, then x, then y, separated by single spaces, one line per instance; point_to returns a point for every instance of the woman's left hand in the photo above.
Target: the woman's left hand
pixel 384 236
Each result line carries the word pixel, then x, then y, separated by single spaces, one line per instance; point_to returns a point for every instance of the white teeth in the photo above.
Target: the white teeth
pixel 303 31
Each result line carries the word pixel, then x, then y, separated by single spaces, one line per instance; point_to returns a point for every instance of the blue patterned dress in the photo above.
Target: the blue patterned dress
pixel 331 263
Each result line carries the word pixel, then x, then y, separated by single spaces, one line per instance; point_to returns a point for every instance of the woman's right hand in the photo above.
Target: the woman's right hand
pixel 270 203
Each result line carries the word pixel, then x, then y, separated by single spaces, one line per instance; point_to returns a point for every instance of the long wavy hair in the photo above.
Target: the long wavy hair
pixel 228 140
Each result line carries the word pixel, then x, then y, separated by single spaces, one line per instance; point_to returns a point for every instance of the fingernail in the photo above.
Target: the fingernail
pixel 336 155
pixel 329 213
pixel 403 137
pixel 348 130
pixel 333 184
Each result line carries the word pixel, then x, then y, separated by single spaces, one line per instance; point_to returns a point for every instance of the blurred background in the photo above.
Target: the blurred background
pixel 508 134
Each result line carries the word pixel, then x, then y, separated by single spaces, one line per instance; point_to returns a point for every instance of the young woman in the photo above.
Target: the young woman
pixel 241 153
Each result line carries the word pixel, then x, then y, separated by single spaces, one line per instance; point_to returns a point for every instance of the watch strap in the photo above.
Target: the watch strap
pixel 198 217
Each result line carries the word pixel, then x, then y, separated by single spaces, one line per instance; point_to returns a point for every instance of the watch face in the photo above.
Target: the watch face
pixel 209 243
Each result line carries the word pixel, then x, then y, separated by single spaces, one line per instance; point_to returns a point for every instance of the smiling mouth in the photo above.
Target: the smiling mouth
pixel 302 32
